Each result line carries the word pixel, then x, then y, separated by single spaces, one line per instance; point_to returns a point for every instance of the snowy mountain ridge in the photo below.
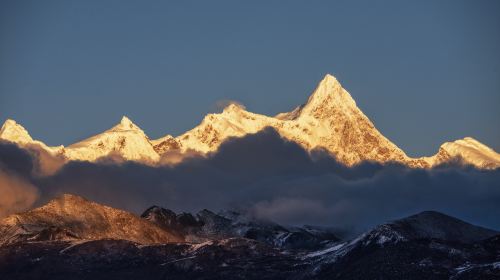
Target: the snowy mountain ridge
pixel 330 119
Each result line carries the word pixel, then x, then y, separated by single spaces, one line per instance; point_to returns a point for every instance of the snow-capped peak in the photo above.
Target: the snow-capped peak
pixel 471 143
pixel 14 132
pixel 126 121
pixel 470 151
pixel 328 95
pixel 329 119
pixel 125 140
pixel 125 124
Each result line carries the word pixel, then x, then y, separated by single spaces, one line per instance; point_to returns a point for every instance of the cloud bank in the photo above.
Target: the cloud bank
pixel 16 192
pixel 275 179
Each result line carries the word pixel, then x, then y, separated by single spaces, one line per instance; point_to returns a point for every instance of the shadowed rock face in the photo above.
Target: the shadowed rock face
pixel 207 225
pixel 73 217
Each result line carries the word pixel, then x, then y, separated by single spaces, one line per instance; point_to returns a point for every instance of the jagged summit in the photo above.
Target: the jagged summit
pixel 329 119
pixel 126 124
pixel 234 107
pixel 125 141
pixel 14 132
pixel 470 145
pixel 328 95
pixel 125 121
pixel 165 144
pixel 207 225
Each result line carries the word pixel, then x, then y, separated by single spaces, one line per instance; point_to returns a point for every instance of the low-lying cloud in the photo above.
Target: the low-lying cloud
pixel 276 179
pixel 16 194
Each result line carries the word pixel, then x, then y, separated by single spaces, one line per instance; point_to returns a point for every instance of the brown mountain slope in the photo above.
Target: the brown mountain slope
pixel 73 217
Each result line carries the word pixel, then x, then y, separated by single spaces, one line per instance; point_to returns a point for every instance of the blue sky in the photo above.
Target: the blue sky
pixel 424 72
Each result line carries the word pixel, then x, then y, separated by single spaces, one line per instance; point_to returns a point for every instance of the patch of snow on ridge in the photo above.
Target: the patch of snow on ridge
pixel 325 251
pixel 469 266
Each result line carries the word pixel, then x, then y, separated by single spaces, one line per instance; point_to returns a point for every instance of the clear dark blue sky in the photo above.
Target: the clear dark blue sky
pixel 424 71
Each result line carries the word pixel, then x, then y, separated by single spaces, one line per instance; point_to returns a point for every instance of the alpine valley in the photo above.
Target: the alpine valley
pixel 329 120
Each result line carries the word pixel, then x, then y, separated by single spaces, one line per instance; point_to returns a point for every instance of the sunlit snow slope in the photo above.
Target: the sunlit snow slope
pixel 329 119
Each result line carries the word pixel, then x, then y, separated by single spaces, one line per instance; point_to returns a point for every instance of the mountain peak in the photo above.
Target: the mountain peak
pixel 126 124
pixel 234 107
pixel 124 141
pixel 472 152
pixel 329 78
pixel 125 121
pixel 329 85
pixel 329 119
pixel 329 95
pixel 14 132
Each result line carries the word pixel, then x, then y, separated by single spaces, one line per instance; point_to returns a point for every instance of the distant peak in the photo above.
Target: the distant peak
pixel 14 132
pixel 329 78
pixel 234 107
pixel 328 85
pixel 10 122
pixel 466 139
pixel 126 124
pixel 328 95
pixel 467 142
pixel 126 121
